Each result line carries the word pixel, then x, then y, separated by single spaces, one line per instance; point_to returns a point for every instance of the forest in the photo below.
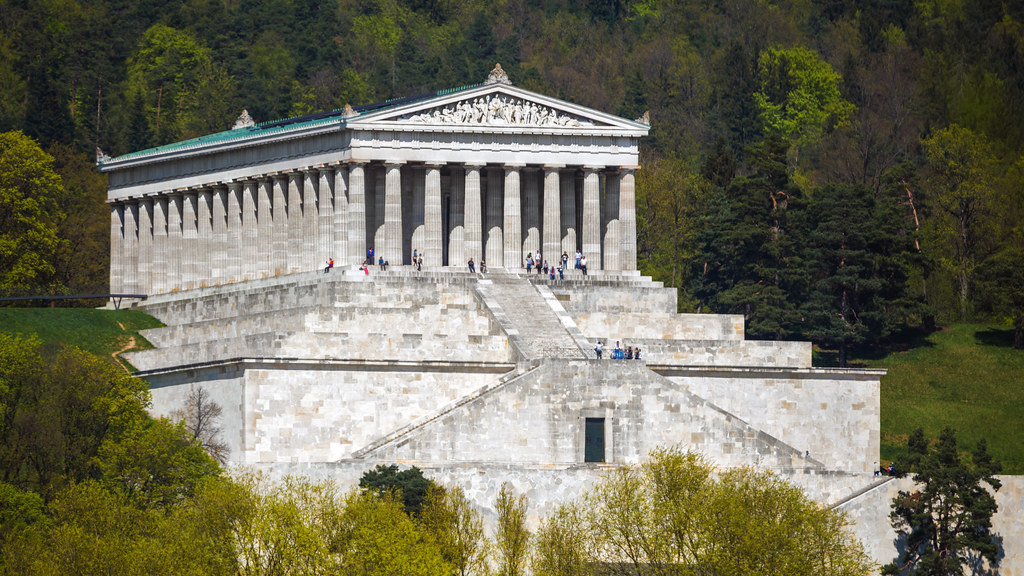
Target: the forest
pixel 837 171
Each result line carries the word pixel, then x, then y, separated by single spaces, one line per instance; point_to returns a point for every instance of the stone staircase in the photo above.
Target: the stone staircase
pixel 535 323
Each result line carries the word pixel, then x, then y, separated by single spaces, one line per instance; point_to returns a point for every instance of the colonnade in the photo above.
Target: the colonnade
pixel 284 222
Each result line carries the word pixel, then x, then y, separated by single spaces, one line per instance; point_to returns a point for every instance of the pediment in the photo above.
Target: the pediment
pixel 495 107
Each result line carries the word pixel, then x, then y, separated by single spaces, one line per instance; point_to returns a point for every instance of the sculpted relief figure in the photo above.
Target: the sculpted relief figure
pixel 497 110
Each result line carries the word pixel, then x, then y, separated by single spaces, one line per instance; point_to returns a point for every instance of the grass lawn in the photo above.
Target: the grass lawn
pixel 101 332
pixel 966 376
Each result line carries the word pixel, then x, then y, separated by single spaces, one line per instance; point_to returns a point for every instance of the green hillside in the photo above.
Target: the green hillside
pixel 100 332
pixel 967 376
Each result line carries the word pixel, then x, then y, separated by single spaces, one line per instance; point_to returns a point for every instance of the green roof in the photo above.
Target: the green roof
pixel 281 126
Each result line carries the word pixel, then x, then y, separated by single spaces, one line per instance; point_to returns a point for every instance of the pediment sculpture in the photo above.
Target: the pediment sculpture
pixel 244 121
pixel 495 110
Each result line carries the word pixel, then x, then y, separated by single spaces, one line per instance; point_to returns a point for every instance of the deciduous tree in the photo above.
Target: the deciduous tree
pixel 961 185
pixel 512 538
pixel 29 190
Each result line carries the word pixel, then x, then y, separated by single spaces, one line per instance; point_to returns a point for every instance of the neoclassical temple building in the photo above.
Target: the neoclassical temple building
pixel 478 379
pixel 489 172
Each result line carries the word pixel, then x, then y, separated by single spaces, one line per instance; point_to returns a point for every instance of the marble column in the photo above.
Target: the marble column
pixel 131 245
pixel 265 227
pixel 175 245
pixel 474 215
pixel 189 240
pixel 379 210
pixel 309 242
pixel 234 238
pixel 295 248
pixel 627 219
pixel 279 225
pixel 592 217
pixel 253 249
pixel 218 244
pixel 392 249
pixel 357 212
pixel 324 217
pixel 205 258
pixel 568 216
pixel 552 212
pixel 145 251
pixel 612 239
pixel 531 213
pixel 512 226
pixel 117 248
pixel 457 218
pixel 417 212
pixel 432 246
pixel 494 246
pixel 158 276
pixel 339 216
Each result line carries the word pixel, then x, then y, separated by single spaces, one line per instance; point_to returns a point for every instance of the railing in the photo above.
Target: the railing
pixel 115 297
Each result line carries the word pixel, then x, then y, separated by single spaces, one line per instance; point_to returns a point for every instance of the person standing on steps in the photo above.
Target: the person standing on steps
pixel 583 264
pixel 598 349
pixel 472 267
pixel 483 265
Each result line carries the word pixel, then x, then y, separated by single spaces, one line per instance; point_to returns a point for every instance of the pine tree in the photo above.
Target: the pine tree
pixel 946 522
pixel 749 259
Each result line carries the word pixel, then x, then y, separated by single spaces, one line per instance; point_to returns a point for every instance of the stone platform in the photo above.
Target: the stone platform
pixel 484 378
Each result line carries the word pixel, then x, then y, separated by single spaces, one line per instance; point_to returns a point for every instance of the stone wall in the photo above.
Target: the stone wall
pixel 834 414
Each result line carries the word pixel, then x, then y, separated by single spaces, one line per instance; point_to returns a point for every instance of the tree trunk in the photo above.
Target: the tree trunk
pixel 842 354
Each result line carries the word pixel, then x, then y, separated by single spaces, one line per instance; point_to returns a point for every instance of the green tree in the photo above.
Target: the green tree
pixel 82 260
pixel 1001 282
pixel 168 68
pixel 410 485
pixel 798 95
pixel 945 524
pixel 677 515
pixel 450 519
pixel 840 308
pixel 670 198
pixel 961 184
pixel 29 190
pixel 378 537
pixel 748 247
pixel 56 412
pixel 156 465
pixel 512 538
pixel 562 546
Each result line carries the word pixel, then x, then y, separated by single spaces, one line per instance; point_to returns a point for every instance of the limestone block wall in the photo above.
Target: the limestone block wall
pixel 303 291
pixel 612 326
pixel 637 297
pixel 832 413
pixel 539 418
pixel 752 353
pixel 250 346
pixel 303 414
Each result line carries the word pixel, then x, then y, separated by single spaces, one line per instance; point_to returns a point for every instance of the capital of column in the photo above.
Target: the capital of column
pixel 591 169
pixel 394 163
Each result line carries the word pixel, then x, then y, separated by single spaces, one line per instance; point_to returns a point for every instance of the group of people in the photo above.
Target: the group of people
pixel 628 354
pixel 541 265
pixel 538 264
pixel 618 353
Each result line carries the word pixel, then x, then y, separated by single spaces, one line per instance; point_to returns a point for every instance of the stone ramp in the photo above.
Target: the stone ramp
pixel 536 325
